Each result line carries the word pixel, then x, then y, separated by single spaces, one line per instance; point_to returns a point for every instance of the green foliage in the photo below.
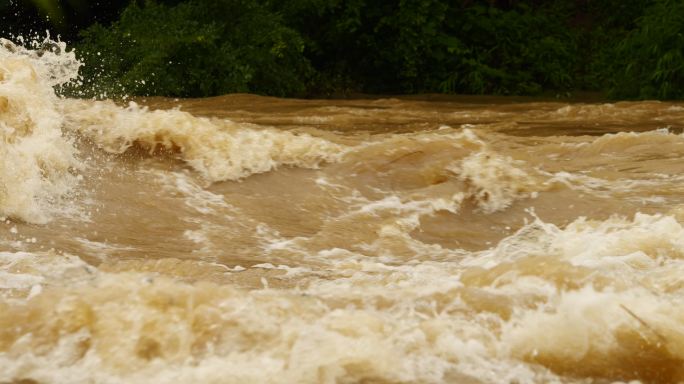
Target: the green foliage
pixel 412 46
pixel 196 48
pixel 632 48
pixel 413 49
pixel 649 62
pixel 516 51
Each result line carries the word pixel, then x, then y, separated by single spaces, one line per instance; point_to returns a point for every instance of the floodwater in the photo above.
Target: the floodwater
pixel 245 239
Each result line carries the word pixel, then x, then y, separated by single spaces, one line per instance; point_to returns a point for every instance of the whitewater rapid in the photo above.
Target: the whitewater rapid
pixel 245 239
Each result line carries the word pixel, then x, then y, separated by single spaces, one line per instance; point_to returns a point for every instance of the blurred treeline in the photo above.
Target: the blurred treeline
pixel 194 48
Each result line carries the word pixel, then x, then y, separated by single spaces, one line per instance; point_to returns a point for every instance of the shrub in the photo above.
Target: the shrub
pixel 195 48
pixel 516 51
pixel 649 62
pixel 409 46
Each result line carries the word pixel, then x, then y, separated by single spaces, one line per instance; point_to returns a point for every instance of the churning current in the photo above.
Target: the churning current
pixel 246 239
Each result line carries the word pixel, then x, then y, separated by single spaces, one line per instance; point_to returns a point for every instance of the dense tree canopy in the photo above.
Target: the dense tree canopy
pixel 627 49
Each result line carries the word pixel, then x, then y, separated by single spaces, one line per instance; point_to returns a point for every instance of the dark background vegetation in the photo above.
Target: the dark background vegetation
pixel 625 49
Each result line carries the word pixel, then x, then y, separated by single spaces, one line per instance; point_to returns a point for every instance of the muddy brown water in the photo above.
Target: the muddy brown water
pixel 247 239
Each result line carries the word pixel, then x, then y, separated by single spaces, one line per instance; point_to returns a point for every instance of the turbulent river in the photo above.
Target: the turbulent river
pixel 245 239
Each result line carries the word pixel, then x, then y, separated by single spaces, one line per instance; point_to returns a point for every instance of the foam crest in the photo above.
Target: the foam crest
pixel 38 161
pixel 629 142
pixel 495 181
pixel 600 297
pixel 218 149
pixel 632 335
pixel 455 161
pixel 640 243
